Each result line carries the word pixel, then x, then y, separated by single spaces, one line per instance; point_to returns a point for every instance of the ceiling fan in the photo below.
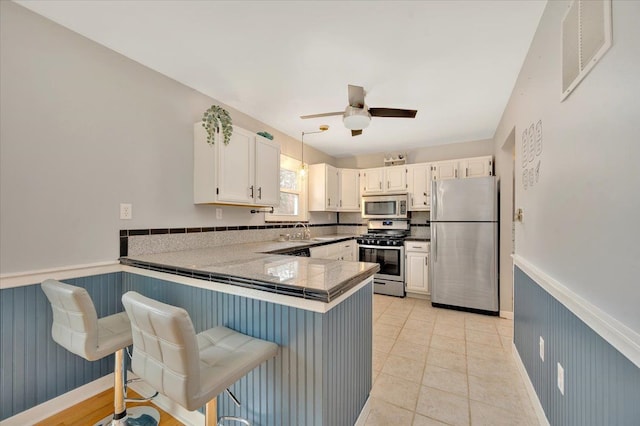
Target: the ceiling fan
pixel 357 115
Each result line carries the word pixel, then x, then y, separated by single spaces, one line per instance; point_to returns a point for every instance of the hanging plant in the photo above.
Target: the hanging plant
pixel 214 118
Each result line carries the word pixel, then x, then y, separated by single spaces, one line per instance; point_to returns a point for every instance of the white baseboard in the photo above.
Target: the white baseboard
pixel 506 314
pixel 533 396
pixel 60 403
pixel 362 418
pixel 188 418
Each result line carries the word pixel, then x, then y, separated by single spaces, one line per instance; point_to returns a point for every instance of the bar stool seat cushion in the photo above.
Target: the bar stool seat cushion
pixel 190 369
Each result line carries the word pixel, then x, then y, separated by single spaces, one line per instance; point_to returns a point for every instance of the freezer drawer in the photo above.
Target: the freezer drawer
pixel 463 268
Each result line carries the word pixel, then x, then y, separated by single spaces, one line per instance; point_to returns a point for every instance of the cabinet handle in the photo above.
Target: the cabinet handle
pixel 425 203
pixel 424 193
pixel 388 184
pixel 329 202
pixel 425 261
pixel 260 193
pixel 340 203
pixel 466 172
pixel 380 184
pixel 251 188
pixel 456 173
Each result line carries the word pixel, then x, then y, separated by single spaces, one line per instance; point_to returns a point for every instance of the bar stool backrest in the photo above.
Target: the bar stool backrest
pixel 165 351
pixel 75 321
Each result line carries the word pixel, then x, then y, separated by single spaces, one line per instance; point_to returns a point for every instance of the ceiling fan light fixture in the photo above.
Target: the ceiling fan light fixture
pixel 356 118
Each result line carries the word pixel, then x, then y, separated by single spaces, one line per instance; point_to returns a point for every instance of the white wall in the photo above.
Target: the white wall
pixel 422 155
pixel 580 219
pixel 83 129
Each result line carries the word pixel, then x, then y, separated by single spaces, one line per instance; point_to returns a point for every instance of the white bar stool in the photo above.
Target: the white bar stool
pixel 77 328
pixel 189 369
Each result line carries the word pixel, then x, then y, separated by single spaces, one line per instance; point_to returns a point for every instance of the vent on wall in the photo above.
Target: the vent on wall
pixel 586 36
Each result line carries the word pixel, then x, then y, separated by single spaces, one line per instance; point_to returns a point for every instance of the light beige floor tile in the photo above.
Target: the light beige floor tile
pixel 489 319
pixel 397 391
pixel 505 331
pixel 489 339
pixel 449 331
pixel 450 320
pixel 420 420
pixel 382 413
pixel 447 359
pixel 378 359
pixel 391 319
pixel 415 324
pixel 448 344
pixel 404 368
pixel 419 337
pixel 446 380
pixel 383 344
pixel 386 330
pixel 504 322
pixel 374 376
pixel 473 324
pixel 495 353
pixel 506 394
pixel 487 415
pixel 507 344
pixel 443 406
pixel 410 350
pixel 491 369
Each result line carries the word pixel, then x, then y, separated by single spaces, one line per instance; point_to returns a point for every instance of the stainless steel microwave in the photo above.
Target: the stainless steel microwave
pixel 384 206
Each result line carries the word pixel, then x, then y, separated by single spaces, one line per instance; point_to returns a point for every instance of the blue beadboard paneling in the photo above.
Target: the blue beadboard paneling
pixel 33 368
pixel 602 387
pixel 318 377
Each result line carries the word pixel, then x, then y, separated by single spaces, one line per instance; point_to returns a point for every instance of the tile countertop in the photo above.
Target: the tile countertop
pixel 254 265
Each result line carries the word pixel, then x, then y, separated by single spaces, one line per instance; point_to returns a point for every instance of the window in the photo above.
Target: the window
pixel 292 206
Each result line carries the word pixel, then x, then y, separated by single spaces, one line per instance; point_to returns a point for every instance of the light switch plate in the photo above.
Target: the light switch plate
pixel 541 348
pixel 218 214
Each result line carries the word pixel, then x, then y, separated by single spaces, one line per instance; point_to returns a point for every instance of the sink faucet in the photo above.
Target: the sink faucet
pixel 306 235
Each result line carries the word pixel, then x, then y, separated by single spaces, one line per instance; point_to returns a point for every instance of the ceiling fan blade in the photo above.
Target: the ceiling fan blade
pixel 356 96
pixel 326 114
pixel 356 132
pixel 393 112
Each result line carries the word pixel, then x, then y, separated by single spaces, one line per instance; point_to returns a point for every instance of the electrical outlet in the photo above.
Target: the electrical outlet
pixel 218 214
pixel 541 348
pixel 126 211
pixel 561 378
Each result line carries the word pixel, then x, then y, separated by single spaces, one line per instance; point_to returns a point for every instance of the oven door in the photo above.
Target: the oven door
pixel 390 259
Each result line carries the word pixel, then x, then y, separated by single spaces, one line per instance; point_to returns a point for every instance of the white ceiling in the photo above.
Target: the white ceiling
pixel 456 62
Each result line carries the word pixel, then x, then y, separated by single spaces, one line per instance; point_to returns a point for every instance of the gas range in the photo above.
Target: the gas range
pixel 381 240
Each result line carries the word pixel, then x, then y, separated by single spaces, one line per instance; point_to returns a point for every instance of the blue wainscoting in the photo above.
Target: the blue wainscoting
pixel 318 378
pixel 602 387
pixel 33 368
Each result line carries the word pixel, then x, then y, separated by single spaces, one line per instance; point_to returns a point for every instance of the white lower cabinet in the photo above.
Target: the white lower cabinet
pixel 417 266
pixel 345 250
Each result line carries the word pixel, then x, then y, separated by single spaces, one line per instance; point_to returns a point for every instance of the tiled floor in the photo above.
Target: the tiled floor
pixel 436 366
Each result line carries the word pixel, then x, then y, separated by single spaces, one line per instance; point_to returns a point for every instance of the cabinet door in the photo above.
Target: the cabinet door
pixel 395 179
pixel 349 190
pixel 476 167
pixel 373 179
pixel 419 186
pixel 416 269
pixel 236 168
pixel 267 184
pixel 333 198
pixel 320 252
pixel 445 170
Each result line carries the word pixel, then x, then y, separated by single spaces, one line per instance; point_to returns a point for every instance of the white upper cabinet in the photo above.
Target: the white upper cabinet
pixel 396 178
pixel 245 172
pixel 349 185
pixel 373 180
pixel 476 167
pixel 419 186
pixel 442 170
pixel 384 180
pixel 323 187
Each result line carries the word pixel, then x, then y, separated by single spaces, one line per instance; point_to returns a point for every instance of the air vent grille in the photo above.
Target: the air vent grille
pixel 586 36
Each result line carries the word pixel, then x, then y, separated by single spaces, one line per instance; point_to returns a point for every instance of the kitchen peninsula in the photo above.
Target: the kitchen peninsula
pixel 318 311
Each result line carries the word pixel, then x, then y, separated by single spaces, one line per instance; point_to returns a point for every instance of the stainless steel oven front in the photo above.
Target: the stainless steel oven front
pixel 390 279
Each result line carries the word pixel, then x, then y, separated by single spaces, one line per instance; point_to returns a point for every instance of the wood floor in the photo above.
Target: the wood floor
pixel 94 409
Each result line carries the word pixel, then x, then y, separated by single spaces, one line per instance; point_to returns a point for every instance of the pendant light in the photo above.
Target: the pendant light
pixel 303 171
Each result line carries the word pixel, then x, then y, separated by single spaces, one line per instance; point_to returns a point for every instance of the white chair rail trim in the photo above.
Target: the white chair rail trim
pixel 610 329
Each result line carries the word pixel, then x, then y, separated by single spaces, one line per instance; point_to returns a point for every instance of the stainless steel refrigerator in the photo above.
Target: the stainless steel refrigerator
pixel 463 269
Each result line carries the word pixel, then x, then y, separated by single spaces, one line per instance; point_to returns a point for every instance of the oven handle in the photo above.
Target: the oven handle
pixel 381 247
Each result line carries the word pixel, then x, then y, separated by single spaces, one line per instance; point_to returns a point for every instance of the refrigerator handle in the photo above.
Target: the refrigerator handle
pixel 434 247
pixel 434 204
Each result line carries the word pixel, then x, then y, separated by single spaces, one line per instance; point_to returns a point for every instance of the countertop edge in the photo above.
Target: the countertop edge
pixel 259 294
